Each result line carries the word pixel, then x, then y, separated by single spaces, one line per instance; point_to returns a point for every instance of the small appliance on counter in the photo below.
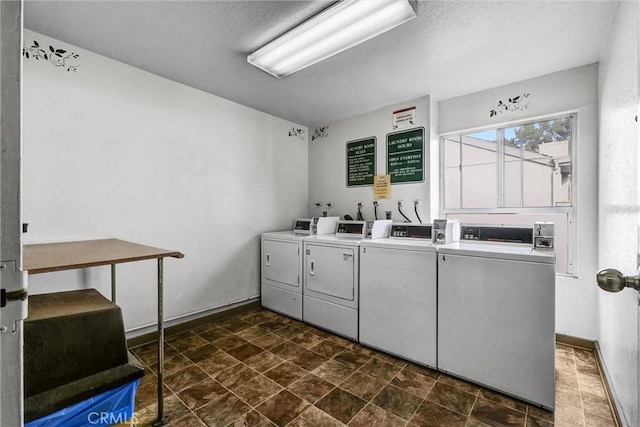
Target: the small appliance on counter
pixel 445 231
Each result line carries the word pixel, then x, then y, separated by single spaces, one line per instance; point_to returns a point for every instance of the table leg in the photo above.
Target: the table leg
pixel 113 283
pixel 162 420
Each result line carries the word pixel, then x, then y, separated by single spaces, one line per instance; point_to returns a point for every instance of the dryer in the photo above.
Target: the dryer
pixel 496 312
pixel 331 276
pixel 398 294
pixel 282 265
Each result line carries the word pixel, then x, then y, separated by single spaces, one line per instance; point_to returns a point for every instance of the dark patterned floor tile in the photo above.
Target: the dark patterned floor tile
pixel 496 415
pixel 503 400
pixel 391 359
pixel 188 420
pixel 257 318
pixel 229 342
pixel 314 417
pixel 252 419
pixel 148 395
pixel 186 341
pixel 172 364
pixel 287 350
pixel 310 388
pixel 184 378
pixel 285 373
pixel 272 325
pixel 374 416
pixel 327 348
pixel 264 361
pixel 308 360
pixel 452 398
pixel 257 390
pixel 363 385
pixel 236 376
pixel 380 369
pixel 333 371
pixel 252 333
pixel 172 407
pixel 289 332
pixel 537 422
pixel 283 408
pixel 150 357
pixel 223 411
pixel 202 393
pixel 397 401
pixel 414 382
pixel 341 405
pixel 423 370
pixel 218 363
pixel 268 341
pixel 235 325
pixel 214 334
pixel 307 340
pixel 432 415
pixel 352 358
pixel 201 353
pixel 459 384
pixel 540 413
pixel 245 351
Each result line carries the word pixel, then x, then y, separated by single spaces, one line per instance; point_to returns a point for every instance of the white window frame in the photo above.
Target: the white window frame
pixel 499 128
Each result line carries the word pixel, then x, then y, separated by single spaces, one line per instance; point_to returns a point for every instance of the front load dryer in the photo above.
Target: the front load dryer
pixel 282 265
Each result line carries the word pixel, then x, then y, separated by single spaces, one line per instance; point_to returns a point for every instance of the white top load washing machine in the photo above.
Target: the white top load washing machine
pixel 398 293
pixel 331 276
pixel 496 312
pixel 282 265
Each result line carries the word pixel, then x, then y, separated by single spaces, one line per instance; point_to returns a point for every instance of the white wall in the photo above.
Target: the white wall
pixel 113 151
pixel 564 91
pixel 618 205
pixel 327 165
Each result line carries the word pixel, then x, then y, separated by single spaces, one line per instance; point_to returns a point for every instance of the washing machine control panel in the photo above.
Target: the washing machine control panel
pixel 409 231
pixel 302 225
pixel 356 229
pixel 496 233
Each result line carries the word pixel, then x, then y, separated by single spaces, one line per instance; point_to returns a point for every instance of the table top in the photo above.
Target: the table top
pixel 48 257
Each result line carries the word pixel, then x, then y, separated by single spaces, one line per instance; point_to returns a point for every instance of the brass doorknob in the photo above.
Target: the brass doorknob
pixel 612 280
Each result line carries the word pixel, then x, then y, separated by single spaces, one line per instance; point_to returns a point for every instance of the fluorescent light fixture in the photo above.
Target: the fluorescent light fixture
pixel 335 29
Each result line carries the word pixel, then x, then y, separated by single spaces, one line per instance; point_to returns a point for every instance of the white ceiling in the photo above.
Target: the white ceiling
pixel 454 47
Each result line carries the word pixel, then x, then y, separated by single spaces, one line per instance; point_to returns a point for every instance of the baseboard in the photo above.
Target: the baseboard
pixel 193 323
pixel 613 402
pixel 576 342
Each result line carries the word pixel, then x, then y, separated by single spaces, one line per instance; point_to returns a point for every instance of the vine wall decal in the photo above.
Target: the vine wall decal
pixel 297 133
pixel 57 57
pixel 322 132
pixel 517 103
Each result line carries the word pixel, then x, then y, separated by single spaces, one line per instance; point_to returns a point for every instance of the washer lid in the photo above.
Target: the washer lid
pixel 284 235
pixel 515 252
pixel 400 244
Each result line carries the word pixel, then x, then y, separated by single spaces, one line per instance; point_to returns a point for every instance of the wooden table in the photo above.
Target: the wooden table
pixel 49 257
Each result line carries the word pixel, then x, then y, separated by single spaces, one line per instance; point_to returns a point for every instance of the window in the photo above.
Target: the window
pixel 515 174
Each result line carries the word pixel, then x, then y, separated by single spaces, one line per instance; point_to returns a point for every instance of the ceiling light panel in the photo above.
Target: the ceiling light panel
pixel 335 29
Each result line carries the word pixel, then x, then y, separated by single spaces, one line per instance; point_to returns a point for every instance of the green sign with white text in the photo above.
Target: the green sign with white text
pixel 405 156
pixel 361 162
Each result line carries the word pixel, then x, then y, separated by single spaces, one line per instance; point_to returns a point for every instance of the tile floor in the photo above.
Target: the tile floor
pixel 263 369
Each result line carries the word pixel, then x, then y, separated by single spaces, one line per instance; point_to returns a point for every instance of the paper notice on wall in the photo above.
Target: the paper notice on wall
pixel 404 118
pixel 382 187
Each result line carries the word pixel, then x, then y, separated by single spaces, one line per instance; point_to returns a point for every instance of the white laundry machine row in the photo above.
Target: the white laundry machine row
pixel 282 265
pixel 332 275
pixel 398 294
pixel 496 312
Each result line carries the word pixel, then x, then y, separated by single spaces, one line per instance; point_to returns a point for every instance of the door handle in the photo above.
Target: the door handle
pixel 612 280
pixel 312 269
pixel 268 260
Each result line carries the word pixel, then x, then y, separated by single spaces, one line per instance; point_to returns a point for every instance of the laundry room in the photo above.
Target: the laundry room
pixel 118 141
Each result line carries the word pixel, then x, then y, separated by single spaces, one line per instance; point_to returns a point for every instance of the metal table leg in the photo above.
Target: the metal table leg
pixel 113 283
pixel 162 420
